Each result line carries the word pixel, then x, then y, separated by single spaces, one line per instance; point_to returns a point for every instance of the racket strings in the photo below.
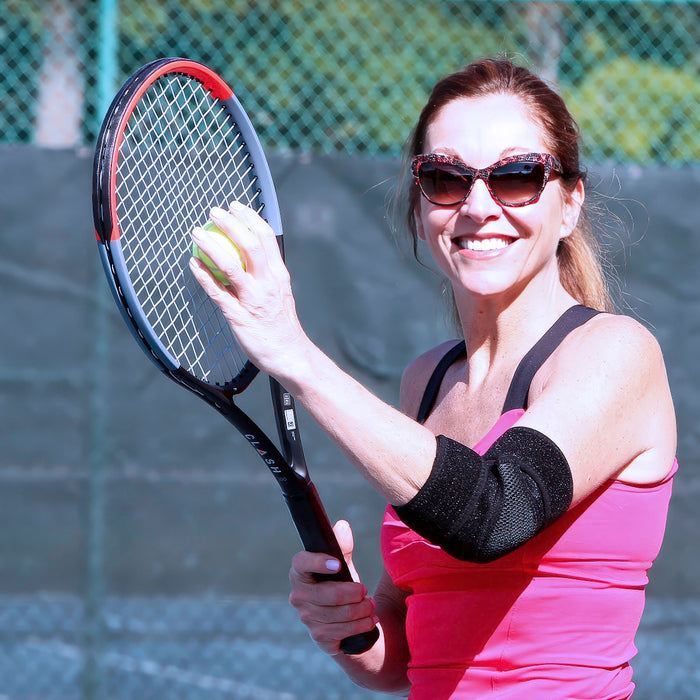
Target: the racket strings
pixel 180 155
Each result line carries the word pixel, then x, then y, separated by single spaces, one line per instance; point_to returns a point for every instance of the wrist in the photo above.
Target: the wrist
pixel 295 368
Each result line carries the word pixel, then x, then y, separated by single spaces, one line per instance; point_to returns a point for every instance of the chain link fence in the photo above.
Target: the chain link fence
pixel 349 75
pixel 121 567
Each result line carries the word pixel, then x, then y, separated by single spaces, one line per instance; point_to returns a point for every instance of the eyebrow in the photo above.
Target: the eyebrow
pixel 514 150
pixel 511 150
pixel 446 152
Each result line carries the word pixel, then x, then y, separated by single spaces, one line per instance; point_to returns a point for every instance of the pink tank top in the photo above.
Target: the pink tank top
pixel 555 619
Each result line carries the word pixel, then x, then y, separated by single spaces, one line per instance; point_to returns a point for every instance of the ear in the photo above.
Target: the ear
pixel 572 209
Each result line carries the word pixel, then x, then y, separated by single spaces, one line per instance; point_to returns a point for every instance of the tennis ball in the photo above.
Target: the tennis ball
pixel 199 253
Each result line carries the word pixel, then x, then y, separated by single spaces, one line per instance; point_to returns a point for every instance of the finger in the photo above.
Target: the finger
pixel 266 234
pixel 329 636
pixel 330 603
pixel 343 533
pixel 217 292
pixel 306 564
pixel 308 590
pixel 356 615
pixel 329 625
pixel 335 614
pixel 223 255
pixel 243 234
pixel 250 218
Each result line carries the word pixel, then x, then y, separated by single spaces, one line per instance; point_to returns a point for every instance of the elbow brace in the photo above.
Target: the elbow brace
pixel 478 508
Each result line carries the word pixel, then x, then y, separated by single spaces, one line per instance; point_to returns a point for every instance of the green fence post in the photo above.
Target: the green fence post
pixel 107 68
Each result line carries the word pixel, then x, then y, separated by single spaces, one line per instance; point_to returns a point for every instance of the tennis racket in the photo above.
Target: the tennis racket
pixel 175 142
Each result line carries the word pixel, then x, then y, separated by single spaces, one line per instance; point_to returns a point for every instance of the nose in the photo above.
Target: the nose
pixel 480 205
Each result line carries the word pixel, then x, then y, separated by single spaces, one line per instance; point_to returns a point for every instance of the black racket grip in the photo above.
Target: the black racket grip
pixel 316 533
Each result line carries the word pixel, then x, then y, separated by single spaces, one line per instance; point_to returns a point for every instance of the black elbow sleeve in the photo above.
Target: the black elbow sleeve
pixel 481 508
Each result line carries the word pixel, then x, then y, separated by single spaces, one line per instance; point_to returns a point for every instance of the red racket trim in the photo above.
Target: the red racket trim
pixel 218 88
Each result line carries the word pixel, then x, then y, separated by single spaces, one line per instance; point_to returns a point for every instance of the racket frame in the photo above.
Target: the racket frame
pixel 289 469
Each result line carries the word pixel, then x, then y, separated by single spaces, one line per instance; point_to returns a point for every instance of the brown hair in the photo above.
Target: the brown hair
pixel 579 255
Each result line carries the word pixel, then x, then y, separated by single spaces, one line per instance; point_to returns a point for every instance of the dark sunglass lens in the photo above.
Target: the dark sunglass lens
pixel 444 184
pixel 517 183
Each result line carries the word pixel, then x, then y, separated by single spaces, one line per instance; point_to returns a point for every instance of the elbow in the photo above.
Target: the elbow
pixel 480 508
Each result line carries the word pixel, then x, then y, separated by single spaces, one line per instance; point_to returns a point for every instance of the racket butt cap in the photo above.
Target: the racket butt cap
pixel 359 643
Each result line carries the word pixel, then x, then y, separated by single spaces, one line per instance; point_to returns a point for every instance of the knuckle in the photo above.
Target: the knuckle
pixel 306 617
pixel 323 635
pixel 298 596
pixel 348 593
pixel 231 270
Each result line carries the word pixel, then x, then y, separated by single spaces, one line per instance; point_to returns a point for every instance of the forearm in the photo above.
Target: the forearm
pixel 391 450
pixel 382 668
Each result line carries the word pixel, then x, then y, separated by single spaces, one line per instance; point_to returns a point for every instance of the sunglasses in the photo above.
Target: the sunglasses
pixel 513 182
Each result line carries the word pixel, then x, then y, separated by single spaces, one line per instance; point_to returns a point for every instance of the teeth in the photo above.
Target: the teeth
pixel 482 243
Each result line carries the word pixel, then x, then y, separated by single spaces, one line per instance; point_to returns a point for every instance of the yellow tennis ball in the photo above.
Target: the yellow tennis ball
pixel 199 253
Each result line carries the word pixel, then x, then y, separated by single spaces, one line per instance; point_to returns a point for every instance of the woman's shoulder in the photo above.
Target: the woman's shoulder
pixel 417 373
pixel 613 359
pixel 610 374
pixel 614 338
pixel 610 358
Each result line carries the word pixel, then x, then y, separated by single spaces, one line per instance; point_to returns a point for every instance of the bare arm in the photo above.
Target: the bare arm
pixel 391 450
pixel 600 400
pixel 332 611
pixel 385 670
pixel 604 399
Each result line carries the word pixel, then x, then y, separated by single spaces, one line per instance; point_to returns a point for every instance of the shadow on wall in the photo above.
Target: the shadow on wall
pixel 187 506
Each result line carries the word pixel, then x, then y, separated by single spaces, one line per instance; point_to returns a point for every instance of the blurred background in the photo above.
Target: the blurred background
pixel 144 548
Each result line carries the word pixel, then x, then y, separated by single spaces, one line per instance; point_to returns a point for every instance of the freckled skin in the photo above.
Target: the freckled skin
pixel 498 126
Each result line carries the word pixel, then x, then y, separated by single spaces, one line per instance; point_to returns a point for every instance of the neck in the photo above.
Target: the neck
pixel 499 330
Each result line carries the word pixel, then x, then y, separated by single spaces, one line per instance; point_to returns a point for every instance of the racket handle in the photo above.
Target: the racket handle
pixel 316 533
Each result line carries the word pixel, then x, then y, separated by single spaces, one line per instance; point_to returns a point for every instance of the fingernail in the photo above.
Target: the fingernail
pixel 217 212
pixel 235 204
pixel 333 565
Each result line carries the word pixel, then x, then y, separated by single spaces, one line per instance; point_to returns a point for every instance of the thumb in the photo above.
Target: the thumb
pixel 343 533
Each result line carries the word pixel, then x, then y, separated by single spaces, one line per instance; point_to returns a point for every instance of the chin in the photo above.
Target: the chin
pixel 488 286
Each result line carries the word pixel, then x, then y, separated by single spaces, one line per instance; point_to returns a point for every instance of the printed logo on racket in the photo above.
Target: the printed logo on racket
pixel 144 253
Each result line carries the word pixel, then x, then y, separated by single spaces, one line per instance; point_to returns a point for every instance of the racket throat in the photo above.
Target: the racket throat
pixel 288 429
pixel 290 480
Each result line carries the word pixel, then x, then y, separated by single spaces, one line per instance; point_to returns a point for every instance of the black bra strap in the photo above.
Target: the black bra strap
pixel 520 386
pixel 433 386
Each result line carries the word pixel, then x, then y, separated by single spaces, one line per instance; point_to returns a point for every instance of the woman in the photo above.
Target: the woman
pixel 530 468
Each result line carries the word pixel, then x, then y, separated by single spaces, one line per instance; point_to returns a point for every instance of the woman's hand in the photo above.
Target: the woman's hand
pixel 331 610
pixel 258 303
pixel 393 452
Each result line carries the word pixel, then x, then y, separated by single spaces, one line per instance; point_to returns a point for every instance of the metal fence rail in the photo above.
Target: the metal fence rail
pixel 350 75
pixel 171 619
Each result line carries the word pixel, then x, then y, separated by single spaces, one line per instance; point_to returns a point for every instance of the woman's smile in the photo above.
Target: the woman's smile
pixel 482 246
